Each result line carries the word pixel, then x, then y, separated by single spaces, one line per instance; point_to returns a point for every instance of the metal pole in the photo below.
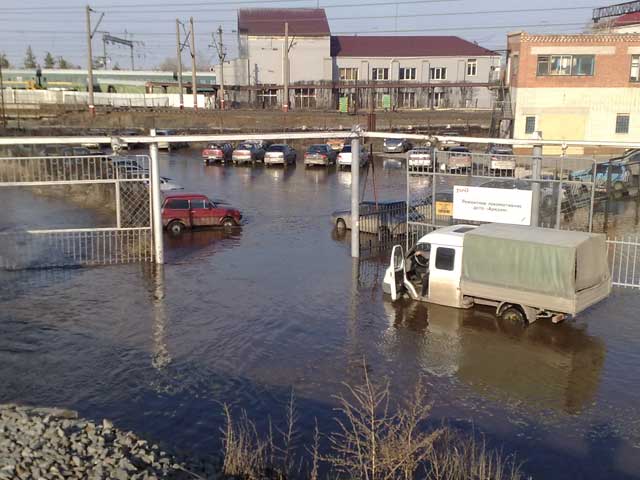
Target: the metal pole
pixel 92 107
pixel 535 187
pixel 355 197
pixel 194 84
pixel 593 196
pixel 434 183
pixel 4 116
pixel 285 70
pixel 132 64
pixel 104 52
pixel 221 56
pixel 559 204
pixel 155 195
pixel 179 59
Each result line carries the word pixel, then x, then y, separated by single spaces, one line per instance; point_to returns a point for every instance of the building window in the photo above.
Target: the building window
pixel 575 65
pixel 406 99
pixel 529 124
pixel 438 99
pixel 304 98
pixel 472 67
pixel 438 73
pixel 348 74
pixel 635 68
pixel 622 123
pixel 379 74
pixel 268 98
pixel 407 74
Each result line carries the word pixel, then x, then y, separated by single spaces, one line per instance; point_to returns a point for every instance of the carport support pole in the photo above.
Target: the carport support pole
pixel 158 246
pixel 355 197
pixel 535 187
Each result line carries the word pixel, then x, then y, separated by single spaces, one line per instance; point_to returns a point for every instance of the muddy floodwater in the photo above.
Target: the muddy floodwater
pixel 246 316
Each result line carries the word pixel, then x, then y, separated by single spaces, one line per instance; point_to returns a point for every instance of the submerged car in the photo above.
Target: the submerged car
pixel 167 185
pixel 455 159
pixel 345 156
pixel 320 154
pixel 164 145
pixel 187 210
pixel 217 152
pixel 501 160
pixel 419 157
pixel 280 154
pixel 248 153
pixel 387 218
pixel 396 145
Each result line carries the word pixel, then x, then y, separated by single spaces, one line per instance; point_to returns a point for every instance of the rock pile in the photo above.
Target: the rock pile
pixel 46 443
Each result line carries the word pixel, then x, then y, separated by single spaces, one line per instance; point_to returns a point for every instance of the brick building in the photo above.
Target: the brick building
pixel 575 87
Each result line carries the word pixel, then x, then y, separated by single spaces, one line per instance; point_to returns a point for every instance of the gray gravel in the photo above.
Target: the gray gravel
pixel 52 443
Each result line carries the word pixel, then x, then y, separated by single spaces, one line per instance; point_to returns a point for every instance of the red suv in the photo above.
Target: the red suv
pixel 186 210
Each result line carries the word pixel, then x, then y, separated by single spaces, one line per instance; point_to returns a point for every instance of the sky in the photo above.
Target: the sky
pixel 61 29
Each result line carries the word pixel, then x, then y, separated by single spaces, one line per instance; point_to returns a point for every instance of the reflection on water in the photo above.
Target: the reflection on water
pixel 199 243
pixel 543 366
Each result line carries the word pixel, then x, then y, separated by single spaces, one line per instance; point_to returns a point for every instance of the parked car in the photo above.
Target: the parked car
pixel 458 159
pixel 344 157
pixel 396 145
pixel 336 144
pixel 320 154
pixel 420 157
pixel 248 153
pixel 501 160
pixel 129 132
pixel 384 217
pixel 548 200
pixel 217 152
pixel 167 185
pixel 77 152
pixel 128 167
pixel 187 210
pixel 166 145
pixel 280 154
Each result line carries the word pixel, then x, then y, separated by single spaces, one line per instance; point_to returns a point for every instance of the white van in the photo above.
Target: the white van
pixel 526 273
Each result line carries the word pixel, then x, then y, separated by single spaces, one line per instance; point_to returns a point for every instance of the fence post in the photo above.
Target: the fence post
pixel 559 204
pixel 355 193
pixel 434 182
pixel 535 186
pixel 155 195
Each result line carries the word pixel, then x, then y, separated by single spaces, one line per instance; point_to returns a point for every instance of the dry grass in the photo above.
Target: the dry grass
pixel 372 442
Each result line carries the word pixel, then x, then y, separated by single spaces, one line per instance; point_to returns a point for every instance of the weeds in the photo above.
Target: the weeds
pixel 372 442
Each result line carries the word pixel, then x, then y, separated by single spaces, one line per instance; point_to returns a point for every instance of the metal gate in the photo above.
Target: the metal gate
pixel 114 188
pixel 624 258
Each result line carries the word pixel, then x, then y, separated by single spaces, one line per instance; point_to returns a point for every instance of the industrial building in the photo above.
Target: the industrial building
pixel 352 72
pixel 575 87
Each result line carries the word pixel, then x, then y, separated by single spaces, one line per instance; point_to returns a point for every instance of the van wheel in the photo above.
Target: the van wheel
pixel 228 222
pixel 341 224
pixel 514 315
pixel 175 227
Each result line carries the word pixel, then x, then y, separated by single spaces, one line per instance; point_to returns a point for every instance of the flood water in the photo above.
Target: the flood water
pixel 248 316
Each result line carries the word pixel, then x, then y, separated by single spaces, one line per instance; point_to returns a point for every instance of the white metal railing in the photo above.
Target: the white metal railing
pixel 623 253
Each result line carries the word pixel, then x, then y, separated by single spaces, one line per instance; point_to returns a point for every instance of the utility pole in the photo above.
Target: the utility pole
pixel 4 117
pixel 194 85
pixel 92 107
pixel 285 69
pixel 90 34
pixel 179 58
pixel 222 54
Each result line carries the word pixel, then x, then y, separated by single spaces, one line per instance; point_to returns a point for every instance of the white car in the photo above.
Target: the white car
pixel 167 184
pixel 419 157
pixel 344 157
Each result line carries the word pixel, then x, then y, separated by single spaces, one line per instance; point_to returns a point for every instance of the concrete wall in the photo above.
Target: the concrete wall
pixel 307 59
pixel 456 67
pixel 578 113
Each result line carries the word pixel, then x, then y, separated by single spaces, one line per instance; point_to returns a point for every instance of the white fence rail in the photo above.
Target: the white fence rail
pixel 624 259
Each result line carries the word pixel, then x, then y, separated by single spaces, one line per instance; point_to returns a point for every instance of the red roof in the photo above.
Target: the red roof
pixel 627 19
pixel 303 22
pixel 405 46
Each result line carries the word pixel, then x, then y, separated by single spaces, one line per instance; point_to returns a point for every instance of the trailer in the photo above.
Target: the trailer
pixel 526 273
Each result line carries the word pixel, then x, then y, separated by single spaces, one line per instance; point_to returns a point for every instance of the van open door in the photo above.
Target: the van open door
pixel 398 268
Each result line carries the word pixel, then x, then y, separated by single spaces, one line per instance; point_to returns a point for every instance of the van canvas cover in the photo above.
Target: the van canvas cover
pixel 539 260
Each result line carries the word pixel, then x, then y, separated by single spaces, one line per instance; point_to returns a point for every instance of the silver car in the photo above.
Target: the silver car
pixel 419 157
pixel 396 145
pixel 280 154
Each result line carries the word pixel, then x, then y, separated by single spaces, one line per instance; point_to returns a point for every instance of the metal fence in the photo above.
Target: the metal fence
pixel 624 259
pixel 116 186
